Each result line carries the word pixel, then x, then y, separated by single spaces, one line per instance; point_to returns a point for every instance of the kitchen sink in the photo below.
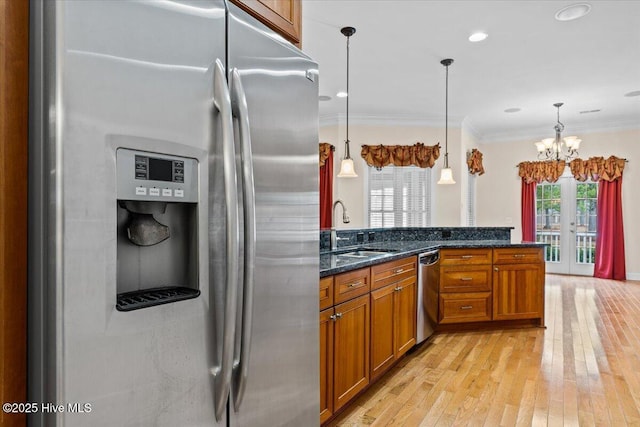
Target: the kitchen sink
pixel 363 254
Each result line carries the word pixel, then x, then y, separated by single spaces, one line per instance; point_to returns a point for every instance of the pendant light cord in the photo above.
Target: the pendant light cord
pixel 446 63
pixel 348 154
pixel 446 120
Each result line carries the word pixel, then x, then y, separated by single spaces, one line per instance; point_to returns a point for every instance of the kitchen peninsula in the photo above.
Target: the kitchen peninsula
pixel 375 285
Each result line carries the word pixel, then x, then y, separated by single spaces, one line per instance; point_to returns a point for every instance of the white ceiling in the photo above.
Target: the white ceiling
pixel 529 61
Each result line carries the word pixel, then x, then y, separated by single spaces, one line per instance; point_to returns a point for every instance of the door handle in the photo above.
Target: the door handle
pixel 241 361
pixel 222 372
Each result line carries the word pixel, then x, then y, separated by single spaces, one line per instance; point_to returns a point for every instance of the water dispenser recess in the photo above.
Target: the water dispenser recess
pixel 157 217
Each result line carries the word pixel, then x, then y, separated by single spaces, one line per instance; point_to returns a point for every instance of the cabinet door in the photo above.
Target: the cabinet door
pixel 326 364
pixel 351 350
pixel 283 16
pixel 382 329
pixel 405 316
pixel 518 291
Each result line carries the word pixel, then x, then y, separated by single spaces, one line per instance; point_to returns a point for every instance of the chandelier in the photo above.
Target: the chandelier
pixel 558 148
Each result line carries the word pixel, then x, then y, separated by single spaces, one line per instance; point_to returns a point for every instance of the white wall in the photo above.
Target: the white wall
pixel 498 190
pixel 446 200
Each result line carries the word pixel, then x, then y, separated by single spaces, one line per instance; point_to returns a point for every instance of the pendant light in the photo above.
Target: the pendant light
pixel 346 166
pixel 446 175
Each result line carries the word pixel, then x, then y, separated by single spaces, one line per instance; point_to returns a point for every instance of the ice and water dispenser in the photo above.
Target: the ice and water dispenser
pixel 157 209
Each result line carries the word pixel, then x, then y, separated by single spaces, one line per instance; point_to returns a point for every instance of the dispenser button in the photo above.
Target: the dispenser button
pixel 178 193
pixel 166 192
pixel 154 191
pixel 141 191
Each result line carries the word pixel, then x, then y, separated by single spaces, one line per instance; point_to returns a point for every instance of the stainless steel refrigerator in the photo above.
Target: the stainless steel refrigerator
pixel 173 220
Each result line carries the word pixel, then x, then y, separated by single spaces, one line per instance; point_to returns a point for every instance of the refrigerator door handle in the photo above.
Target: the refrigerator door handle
pixel 222 373
pixel 241 361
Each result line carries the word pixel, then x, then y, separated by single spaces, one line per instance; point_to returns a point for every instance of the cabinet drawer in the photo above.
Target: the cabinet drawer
pixel 351 284
pixel 392 272
pixel 465 278
pixel 326 292
pixel 517 255
pixel 465 307
pixel 465 256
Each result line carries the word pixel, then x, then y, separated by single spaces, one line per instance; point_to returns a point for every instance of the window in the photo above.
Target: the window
pixel 399 197
pixel 471 201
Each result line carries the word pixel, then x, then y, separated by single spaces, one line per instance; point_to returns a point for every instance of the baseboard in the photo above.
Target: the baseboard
pixel 633 276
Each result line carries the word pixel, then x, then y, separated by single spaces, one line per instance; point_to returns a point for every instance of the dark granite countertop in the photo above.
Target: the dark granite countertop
pixel 401 249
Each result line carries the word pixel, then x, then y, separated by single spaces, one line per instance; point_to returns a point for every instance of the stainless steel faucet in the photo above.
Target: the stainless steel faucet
pixel 345 219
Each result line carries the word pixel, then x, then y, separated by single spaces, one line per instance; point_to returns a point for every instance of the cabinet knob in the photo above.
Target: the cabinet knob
pixel 399 270
pixel 333 317
pixel 519 256
pixel 496 269
pixel 466 279
pixel 399 288
pixel 466 256
pixel 466 307
pixel 352 285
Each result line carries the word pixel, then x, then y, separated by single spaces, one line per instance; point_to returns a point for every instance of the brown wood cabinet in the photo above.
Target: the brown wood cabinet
pixel 326 364
pixel 350 356
pixel 518 284
pixel 481 285
pixel 465 285
pixel 350 349
pixel 393 313
pixel 344 339
pixel 351 284
pixel 283 16
pixel 14 129
pixel 326 292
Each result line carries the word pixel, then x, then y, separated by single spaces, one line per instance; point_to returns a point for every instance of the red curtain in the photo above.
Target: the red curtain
pixel 528 213
pixel 609 262
pixel 326 191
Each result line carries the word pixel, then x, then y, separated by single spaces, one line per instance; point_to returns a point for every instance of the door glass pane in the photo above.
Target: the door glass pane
pixel 585 222
pixel 548 197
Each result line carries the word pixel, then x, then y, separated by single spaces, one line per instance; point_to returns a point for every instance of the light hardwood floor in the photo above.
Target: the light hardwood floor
pixel 583 369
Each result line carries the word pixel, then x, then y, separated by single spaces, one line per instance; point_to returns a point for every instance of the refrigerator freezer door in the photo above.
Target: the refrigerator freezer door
pixel 115 74
pixel 280 84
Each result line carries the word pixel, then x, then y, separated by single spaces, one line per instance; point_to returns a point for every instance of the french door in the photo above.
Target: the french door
pixel 566 220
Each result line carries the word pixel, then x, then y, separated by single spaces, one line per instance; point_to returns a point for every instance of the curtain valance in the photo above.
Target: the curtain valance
pixel 474 162
pixel 325 149
pixel 418 154
pixel 549 171
pixel 597 168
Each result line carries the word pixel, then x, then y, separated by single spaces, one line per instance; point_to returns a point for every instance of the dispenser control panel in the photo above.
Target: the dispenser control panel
pixel 156 177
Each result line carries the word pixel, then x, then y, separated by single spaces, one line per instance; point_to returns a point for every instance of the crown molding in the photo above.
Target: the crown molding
pixel 537 133
pixel 389 120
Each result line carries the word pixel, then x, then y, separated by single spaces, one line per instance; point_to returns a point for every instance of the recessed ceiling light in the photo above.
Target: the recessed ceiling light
pixel 512 110
pixel 477 37
pixel 573 11
pixel 634 93
pixel 324 98
pixel 341 94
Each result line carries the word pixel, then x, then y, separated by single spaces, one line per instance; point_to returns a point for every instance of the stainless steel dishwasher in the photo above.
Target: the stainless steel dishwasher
pixel 428 277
